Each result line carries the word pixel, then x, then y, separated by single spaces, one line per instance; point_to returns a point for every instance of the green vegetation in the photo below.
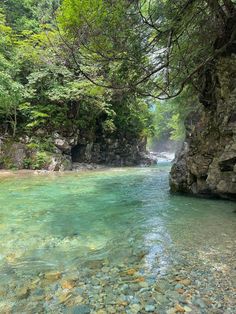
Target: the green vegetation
pixel 92 68
pixel 42 90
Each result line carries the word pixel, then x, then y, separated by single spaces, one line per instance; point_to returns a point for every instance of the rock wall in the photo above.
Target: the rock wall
pixel 67 153
pixel 206 164
pixel 18 155
pixel 112 151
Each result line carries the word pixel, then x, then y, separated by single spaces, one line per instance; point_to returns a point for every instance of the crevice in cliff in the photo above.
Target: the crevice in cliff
pixel 227 165
pixel 78 153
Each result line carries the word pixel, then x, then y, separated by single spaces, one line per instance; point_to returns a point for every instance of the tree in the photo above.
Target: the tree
pixel 28 15
pixel 11 91
pixel 175 41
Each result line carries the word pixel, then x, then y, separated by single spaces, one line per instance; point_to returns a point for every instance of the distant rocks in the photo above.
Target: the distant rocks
pixel 165 156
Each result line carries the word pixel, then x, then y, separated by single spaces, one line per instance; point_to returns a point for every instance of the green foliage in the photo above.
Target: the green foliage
pixel 37 162
pixel 86 70
pixel 169 116
pixel 29 14
pixel 11 90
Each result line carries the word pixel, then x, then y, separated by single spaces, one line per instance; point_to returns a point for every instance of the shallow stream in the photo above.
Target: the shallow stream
pixel 113 241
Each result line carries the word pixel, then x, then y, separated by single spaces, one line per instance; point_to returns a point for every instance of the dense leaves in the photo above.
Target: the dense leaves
pixel 41 87
pixel 90 67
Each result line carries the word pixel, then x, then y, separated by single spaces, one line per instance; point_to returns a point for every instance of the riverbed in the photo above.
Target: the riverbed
pixel 113 241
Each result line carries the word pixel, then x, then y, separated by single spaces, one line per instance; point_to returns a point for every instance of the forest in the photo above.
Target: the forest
pixel 93 69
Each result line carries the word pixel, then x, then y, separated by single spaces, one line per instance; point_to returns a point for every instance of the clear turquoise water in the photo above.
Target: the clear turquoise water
pixel 119 217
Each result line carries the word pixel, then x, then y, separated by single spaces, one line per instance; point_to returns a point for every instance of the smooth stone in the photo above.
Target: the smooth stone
pixel 64 297
pixel 171 311
pixel 79 290
pixel 199 303
pixel 149 308
pixel 134 300
pixel 52 276
pixel 160 298
pixel 38 292
pixel 185 282
pixel 143 284
pixel 172 295
pixel 151 302
pixel 187 309
pixel 143 290
pixel 179 286
pixel 68 284
pixel 79 309
pixel 135 308
pixel 179 308
pixel 22 293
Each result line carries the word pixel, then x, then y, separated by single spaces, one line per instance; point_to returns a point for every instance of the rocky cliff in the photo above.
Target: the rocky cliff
pixel 67 153
pixel 206 164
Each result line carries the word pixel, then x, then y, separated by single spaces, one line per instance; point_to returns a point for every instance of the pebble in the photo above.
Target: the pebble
pixel 64 297
pixel 199 303
pixel 179 308
pixel 149 308
pixel 120 289
pixel 187 309
pixel 143 284
pixel 185 282
pixel 68 284
pixel 52 276
pixel 79 309
pixel 22 293
pixel 135 308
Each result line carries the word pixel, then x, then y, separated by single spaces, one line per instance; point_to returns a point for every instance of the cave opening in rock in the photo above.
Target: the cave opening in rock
pixel 228 165
pixel 78 153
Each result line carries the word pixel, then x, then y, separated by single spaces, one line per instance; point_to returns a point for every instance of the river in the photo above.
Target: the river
pixel 113 241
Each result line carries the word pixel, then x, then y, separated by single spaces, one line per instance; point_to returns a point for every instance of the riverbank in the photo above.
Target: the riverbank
pixel 77 168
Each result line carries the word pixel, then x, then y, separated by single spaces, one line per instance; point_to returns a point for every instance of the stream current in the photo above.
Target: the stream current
pixel 113 241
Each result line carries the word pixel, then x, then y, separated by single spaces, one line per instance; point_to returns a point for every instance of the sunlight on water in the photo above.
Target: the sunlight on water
pixel 122 218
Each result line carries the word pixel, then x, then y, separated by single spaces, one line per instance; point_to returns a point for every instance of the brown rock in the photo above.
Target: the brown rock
pixel 68 284
pixel 52 276
pixel 22 293
pixel 179 309
pixel 65 297
pixel 185 282
pixel 131 271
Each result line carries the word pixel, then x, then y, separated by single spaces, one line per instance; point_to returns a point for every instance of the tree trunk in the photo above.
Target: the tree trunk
pixel 230 7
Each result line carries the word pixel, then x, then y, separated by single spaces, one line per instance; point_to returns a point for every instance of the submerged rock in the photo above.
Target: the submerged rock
pixel 150 308
pixel 79 309
pixel 52 276
pixel 22 293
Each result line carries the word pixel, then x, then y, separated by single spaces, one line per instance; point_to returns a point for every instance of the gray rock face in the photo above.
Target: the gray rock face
pixel 115 152
pixel 74 154
pixel 12 155
pixel 206 164
pixel 64 144
pixel 59 163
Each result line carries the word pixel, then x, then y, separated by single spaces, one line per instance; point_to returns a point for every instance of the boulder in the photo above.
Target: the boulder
pixel 206 163
pixel 12 154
